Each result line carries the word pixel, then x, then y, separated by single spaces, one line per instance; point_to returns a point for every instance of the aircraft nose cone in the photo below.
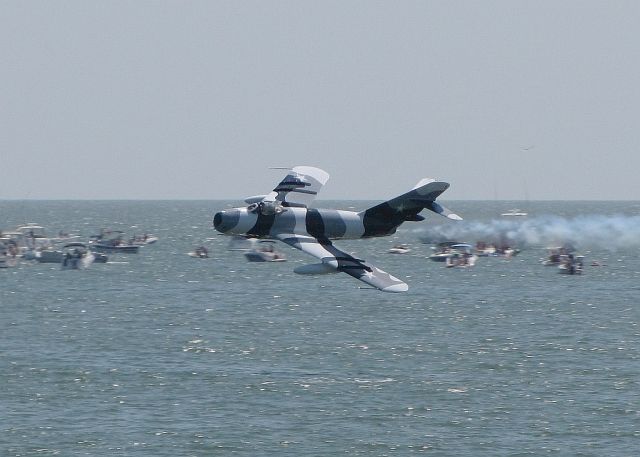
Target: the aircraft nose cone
pixel 226 220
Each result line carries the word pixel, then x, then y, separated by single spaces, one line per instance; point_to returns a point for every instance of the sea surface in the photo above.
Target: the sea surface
pixel 160 354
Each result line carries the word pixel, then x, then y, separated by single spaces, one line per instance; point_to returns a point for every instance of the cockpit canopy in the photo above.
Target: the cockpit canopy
pixel 266 208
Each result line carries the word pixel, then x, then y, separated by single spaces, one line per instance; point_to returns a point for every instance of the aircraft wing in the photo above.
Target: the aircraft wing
pixel 341 261
pixel 299 187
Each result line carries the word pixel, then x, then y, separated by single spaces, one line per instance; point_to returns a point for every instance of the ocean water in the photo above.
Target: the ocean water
pixel 160 354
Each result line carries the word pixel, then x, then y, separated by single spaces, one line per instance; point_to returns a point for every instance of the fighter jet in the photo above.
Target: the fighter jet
pixel 285 215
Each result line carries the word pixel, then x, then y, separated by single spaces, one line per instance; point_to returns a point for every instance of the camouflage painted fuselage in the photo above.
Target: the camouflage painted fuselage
pixel 319 223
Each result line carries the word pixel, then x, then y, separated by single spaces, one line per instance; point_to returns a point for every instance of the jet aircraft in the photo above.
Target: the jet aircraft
pixel 285 215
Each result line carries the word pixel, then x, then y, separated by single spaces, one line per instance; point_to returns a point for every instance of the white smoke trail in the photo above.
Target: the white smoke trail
pixel 584 232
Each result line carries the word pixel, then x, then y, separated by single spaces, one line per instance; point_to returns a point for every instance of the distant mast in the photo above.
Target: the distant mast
pixel 517 212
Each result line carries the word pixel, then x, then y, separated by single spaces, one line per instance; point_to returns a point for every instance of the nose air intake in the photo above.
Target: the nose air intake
pixel 224 221
pixel 217 220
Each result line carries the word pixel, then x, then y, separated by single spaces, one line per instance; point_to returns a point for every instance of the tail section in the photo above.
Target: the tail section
pixel 384 219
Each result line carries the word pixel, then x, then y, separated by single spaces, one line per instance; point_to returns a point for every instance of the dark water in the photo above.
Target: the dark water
pixel 160 354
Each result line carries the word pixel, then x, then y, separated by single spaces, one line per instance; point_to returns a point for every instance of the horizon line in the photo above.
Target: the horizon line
pixel 317 200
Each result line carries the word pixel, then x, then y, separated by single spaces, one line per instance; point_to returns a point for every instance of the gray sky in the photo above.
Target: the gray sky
pixel 196 99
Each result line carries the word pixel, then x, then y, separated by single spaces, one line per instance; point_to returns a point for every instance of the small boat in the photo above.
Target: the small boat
pixel 399 249
pixel 264 252
pixel 199 253
pixel 56 256
pixel 484 249
pixel 570 264
pixel 143 240
pixel 123 247
pixel 25 240
pixel 555 254
pixel 516 212
pixel 443 251
pixel 76 256
pixel 112 241
pixel 461 256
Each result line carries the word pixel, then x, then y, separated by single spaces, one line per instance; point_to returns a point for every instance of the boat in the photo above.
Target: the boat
pixel 555 254
pixel 571 264
pixel 461 256
pixel 443 251
pixel 515 212
pixel 25 240
pixel 51 255
pixel 199 253
pixel 76 256
pixel 484 249
pixel 112 241
pixel 143 240
pixel 264 252
pixel 399 249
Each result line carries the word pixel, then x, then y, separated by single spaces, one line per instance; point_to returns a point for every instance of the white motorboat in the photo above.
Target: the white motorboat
pixel 516 212
pixel 461 256
pixel 25 240
pixel 265 252
pixel 399 249
pixel 142 240
pixel 483 249
pixel 112 241
pixel 443 251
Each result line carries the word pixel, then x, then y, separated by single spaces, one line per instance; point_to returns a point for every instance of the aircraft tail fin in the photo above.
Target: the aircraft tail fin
pixel 383 219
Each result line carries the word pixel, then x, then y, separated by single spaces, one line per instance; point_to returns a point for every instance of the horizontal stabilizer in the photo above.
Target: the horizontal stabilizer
pixel 384 218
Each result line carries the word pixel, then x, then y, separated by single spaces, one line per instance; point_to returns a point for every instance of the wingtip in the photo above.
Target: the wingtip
pixel 400 287
pixel 454 217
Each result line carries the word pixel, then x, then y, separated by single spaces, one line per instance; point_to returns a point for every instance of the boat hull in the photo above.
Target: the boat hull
pixel 127 249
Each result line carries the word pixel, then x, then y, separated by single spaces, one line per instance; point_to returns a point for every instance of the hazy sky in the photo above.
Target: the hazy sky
pixel 196 99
